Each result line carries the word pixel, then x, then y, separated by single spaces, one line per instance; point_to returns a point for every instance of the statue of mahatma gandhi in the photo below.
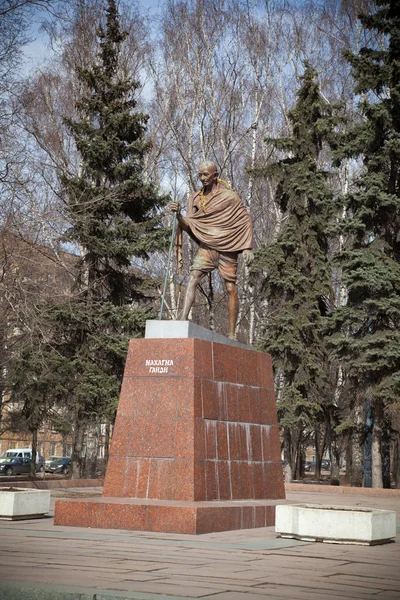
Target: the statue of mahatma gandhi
pixel 219 223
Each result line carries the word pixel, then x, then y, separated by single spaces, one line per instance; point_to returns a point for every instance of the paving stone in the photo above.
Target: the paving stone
pixel 239 565
pixel 371 582
pixel 272 593
pixel 171 589
pixel 366 570
pixel 303 584
pixel 234 595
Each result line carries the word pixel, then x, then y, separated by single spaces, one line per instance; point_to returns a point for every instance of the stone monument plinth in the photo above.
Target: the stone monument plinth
pixel 195 446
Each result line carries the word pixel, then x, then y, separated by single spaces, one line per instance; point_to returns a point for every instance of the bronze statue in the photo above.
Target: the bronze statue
pixel 219 223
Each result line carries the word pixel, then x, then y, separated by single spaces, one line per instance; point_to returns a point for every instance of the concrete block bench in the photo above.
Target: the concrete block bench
pixel 23 503
pixel 335 524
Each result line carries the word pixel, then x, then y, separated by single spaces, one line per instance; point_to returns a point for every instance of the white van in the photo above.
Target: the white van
pixel 23 453
pixel 18 453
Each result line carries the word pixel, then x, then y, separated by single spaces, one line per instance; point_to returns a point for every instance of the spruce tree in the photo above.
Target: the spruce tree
pixel 368 327
pixel 296 275
pixel 114 212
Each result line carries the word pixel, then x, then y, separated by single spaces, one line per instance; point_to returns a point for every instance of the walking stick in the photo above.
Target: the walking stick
pixel 168 264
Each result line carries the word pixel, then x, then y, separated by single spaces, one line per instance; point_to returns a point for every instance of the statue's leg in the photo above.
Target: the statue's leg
pixel 228 270
pixel 194 279
pixel 233 306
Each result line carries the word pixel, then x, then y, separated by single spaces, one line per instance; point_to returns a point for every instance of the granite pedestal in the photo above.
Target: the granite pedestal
pixel 195 446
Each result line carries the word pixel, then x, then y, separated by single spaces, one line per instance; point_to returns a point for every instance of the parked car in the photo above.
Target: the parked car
pixel 59 465
pixel 51 459
pixel 16 465
pixel 310 465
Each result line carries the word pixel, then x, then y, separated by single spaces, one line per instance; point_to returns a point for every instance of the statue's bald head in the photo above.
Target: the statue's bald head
pixel 208 164
pixel 208 175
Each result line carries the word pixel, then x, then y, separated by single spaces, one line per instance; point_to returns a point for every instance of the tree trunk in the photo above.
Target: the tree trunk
pixel 377 481
pixel 396 461
pixel 297 465
pixel 211 303
pixel 92 446
pixel 298 457
pixel 318 453
pixel 357 446
pixel 65 449
pixel 3 354
pixel 349 455
pixel 77 446
pixel 32 473
pixel 335 463
pixel 252 314
pixel 242 301
pixel 107 438
pixel 385 451
pixel 287 456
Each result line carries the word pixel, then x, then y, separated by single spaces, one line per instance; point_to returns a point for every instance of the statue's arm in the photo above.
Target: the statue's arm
pixel 176 207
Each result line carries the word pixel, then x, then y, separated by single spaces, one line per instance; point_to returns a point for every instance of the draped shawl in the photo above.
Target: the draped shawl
pixel 224 225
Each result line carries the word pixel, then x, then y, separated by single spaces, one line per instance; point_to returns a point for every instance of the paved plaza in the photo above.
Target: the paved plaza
pixel 43 562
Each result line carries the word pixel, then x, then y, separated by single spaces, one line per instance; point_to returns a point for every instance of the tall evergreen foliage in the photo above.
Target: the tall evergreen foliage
pixel 369 325
pixel 112 208
pixel 297 276
pixel 113 211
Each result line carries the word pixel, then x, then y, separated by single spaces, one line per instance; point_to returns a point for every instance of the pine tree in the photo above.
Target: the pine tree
pixel 369 325
pixel 114 212
pixel 295 268
pixel 114 216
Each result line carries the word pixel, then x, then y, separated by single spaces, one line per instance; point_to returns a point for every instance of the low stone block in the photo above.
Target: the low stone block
pixel 23 503
pixel 170 516
pixel 335 524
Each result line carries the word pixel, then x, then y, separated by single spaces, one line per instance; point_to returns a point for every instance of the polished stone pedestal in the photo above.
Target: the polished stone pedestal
pixel 195 446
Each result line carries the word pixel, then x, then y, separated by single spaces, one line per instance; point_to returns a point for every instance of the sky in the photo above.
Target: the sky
pixel 36 51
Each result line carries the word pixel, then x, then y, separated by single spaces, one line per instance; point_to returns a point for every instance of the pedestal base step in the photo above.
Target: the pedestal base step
pixel 165 516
